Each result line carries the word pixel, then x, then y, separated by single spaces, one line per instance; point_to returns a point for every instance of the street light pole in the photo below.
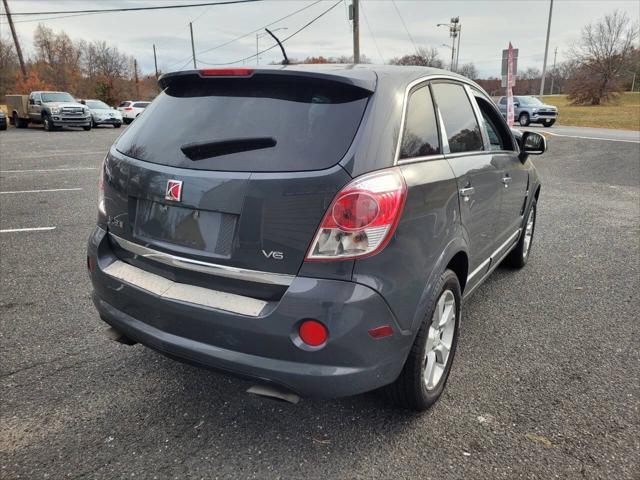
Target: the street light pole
pixel 454 31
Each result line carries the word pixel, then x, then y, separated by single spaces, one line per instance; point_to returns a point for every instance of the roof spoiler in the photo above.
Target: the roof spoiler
pixel 355 78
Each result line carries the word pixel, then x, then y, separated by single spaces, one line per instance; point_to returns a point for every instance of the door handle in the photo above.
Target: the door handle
pixel 506 180
pixel 466 192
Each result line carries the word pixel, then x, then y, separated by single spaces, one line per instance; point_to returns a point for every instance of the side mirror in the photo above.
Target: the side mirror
pixel 532 143
pixel 31 101
pixel 516 104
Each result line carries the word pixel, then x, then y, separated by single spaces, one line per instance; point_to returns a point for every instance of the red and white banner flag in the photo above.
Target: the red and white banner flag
pixel 510 115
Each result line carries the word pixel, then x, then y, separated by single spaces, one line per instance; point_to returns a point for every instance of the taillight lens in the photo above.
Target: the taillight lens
pixel 362 217
pixel 101 207
pixel 128 109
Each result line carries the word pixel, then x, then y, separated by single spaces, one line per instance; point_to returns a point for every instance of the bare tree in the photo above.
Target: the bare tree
pixel 8 67
pixel 602 53
pixel 469 70
pixel 424 57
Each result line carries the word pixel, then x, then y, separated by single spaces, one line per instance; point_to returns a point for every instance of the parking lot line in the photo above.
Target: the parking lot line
pixel 42 191
pixel 49 170
pixel 34 229
pixel 593 138
pixel 57 154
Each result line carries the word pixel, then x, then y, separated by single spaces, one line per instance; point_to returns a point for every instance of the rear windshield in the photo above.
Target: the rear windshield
pixel 141 104
pixel 261 124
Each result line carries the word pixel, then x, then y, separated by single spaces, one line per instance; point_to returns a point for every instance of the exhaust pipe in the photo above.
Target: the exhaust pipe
pixel 115 335
pixel 270 391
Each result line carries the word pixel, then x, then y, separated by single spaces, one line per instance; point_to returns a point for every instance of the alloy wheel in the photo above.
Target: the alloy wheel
pixel 440 339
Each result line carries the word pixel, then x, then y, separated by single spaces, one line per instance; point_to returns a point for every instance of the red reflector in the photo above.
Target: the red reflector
pixel 312 333
pixel 226 72
pixel 380 332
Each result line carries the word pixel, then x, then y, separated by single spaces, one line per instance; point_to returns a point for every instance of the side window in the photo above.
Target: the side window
pixel 124 104
pixel 503 101
pixel 460 124
pixel 420 136
pixel 497 130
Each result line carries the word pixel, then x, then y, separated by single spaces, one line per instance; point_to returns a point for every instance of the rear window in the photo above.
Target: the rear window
pixel 124 104
pixel 141 104
pixel 261 124
pixel 460 124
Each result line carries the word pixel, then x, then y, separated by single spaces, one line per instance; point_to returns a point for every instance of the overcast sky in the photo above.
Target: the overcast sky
pixel 487 27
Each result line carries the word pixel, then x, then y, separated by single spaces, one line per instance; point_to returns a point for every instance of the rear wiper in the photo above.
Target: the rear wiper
pixel 216 148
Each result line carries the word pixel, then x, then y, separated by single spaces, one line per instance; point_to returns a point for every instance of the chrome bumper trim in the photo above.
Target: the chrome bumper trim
pixel 165 288
pixel 204 267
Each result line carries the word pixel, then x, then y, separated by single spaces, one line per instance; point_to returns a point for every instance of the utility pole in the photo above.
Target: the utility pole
pixel 458 51
pixel 193 48
pixel 155 60
pixel 546 50
pixel 135 76
pixel 356 32
pixel 553 77
pixel 15 40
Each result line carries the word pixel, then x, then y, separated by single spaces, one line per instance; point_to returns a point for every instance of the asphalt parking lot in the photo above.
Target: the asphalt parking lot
pixel 546 381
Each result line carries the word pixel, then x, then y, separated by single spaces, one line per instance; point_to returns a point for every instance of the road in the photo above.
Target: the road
pixel 545 384
pixel 588 133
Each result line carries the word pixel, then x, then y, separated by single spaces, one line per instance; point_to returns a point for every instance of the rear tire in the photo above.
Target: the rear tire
pixel 127 121
pixel 117 125
pixel 548 123
pixel 523 120
pixel 519 256
pixel 19 122
pixel 426 370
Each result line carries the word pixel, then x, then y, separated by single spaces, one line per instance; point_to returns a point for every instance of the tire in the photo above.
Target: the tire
pixel 117 125
pixel 93 124
pixel 548 123
pixel 86 128
pixel 19 122
pixel 411 389
pixel 519 256
pixel 47 123
pixel 523 120
pixel 127 121
pixel 3 126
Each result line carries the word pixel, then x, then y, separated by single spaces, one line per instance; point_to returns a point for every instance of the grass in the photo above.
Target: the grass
pixel 622 113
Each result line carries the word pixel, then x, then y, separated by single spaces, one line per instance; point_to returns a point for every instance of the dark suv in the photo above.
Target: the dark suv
pixel 313 228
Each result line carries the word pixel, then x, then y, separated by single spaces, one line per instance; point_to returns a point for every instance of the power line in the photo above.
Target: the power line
pixel 132 9
pixel 284 40
pixel 242 36
pixel 405 26
pixel 375 42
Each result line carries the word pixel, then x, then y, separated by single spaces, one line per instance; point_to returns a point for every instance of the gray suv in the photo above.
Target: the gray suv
pixel 527 110
pixel 313 228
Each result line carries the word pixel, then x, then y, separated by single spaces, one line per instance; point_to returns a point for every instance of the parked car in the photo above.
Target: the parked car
pixel 327 253
pixel 103 114
pixel 3 121
pixel 131 109
pixel 527 109
pixel 51 109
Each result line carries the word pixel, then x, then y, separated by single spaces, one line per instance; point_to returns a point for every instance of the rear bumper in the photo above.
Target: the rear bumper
pixel 262 347
pixel 108 121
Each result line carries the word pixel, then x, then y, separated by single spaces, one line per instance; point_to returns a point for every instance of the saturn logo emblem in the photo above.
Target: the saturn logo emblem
pixel 174 190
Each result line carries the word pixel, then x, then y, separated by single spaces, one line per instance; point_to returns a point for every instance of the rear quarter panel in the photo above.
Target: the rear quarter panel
pixel 427 236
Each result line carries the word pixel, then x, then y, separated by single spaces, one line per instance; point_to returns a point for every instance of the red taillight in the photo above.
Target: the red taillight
pixel 361 218
pixel 313 333
pixel 226 72
pixel 128 109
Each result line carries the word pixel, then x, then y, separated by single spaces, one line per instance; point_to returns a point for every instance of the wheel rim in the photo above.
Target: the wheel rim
pixel 440 340
pixel 523 120
pixel 528 232
pixel 46 123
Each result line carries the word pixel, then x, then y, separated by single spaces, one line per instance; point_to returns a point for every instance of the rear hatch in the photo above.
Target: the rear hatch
pixel 231 171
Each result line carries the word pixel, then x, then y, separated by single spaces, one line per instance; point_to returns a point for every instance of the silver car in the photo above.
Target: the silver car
pixel 103 114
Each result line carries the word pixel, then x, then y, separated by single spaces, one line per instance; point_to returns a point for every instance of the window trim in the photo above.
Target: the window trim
pixel 514 144
pixel 444 143
pixel 436 156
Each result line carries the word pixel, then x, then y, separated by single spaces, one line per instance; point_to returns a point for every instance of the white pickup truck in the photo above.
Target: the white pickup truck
pixel 51 109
